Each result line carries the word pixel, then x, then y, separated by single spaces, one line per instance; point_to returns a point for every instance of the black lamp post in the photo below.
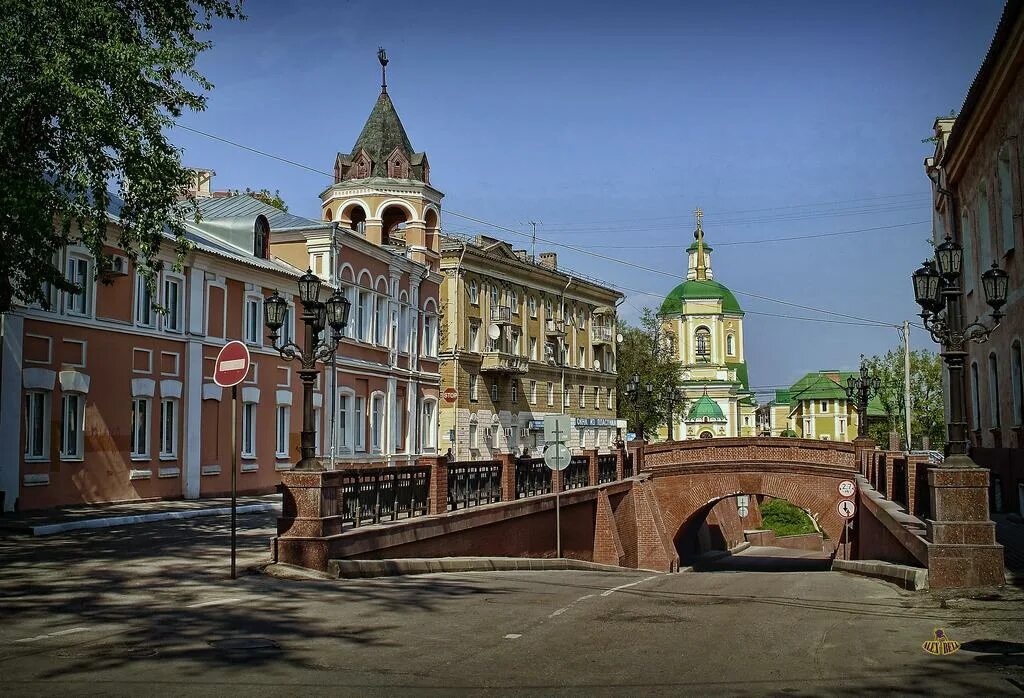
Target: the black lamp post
pixel 675 397
pixel 635 394
pixel 859 391
pixel 938 290
pixel 316 315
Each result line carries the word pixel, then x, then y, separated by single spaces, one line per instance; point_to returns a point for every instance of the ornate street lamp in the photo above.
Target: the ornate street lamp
pixel 859 391
pixel 938 290
pixel 316 316
pixel 675 397
pixel 635 394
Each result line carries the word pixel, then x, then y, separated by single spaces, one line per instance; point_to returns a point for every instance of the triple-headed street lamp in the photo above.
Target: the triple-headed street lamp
pixel 859 391
pixel 938 290
pixel 635 394
pixel 316 315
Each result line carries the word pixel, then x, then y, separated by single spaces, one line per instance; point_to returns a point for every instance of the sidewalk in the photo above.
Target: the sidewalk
pixel 90 516
pixel 1011 536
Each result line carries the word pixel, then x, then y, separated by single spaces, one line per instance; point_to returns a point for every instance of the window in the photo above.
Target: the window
pixel 494 295
pixel 140 428
pixel 494 391
pixel 363 316
pixel 376 422
pixel 261 238
pixel 702 342
pixel 1005 200
pixel 343 441
pixel 823 404
pixel 730 345
pixel 517 347
pixel 430 335
pixel 78 274
pixel 995 419
pixel 281 448
pixel 72 426
pixel 172 303
pixel 583 396
pixel 249 430
pixel 287 325
pixel 533 348
pixel 565 397
pixel 975 397
pixel 37 420
pixel 428 427
pixel 473 439
pixel 547 309
pixel 252 321
pixel 513 300
pixel 984 226
pixel 360 424
pixel 533 392
pixel 611 398
pixel 533 307
pixel 352 330
pixel 551 394
pixel 1018 383
pixel 597 398
pixel 144 315
pixel 474 388
pixel 474 336
pixel 168 428
pixel 381 320
pixel 403 330
pixel 515 393
pixel 583 358
pixel 474 292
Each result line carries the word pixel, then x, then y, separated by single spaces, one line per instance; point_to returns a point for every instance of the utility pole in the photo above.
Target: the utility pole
pixel 533 240
pixel 907 415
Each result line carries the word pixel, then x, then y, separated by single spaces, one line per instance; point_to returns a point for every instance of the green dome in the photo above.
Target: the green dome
pixel 692 290
pixel 705 410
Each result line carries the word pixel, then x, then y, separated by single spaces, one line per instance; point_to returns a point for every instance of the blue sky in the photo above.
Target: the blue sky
pixel 610 122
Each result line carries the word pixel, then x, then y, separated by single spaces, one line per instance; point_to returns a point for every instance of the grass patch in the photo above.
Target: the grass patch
pixel 786 519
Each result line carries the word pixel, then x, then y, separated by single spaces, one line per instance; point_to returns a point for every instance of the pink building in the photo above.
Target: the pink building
pixel 117 401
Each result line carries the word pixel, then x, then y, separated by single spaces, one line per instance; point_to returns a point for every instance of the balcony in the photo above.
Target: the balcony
pixel 500 362
pixel 501 314
pixel 602 335
pixel 554 328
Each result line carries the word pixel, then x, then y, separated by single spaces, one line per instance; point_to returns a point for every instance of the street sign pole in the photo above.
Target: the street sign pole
pixel 558 507
pixel 557 457
pixel 234 472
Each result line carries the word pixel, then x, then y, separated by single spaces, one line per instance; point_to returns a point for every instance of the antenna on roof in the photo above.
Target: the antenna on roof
pixel 382 56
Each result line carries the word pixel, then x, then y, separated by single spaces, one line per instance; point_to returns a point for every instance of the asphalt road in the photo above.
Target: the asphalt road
pixel 148 610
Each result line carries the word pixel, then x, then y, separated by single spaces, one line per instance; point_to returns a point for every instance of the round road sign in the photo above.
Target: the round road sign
pixel 846 508
pixel 450 395
pixel 232 364
pixel 847 488
pixel 557 456
pixel 742 511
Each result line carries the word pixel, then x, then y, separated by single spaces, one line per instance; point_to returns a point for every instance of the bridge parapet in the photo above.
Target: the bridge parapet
pixel 750 450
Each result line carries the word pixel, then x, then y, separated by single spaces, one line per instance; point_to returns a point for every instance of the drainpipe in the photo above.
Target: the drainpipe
pixel 455 348
pixel 334 354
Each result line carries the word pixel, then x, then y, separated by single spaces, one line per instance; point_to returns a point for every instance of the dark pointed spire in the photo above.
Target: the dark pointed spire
pixel 382 56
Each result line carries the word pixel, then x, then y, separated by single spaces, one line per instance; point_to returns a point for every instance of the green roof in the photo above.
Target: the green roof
pixel 705 410
pixel 382 133
pixel 693 247
pixel 782 397
pixel 819 386
pixel 741 373
pixel 694 290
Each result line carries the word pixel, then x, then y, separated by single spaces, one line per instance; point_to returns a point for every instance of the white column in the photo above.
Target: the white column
pixel 412 417
pixel 13 328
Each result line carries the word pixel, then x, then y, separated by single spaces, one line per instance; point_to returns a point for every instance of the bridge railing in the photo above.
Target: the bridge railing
pixel 533 477
pixel 371 495
pixel 901 478
pixel 473 484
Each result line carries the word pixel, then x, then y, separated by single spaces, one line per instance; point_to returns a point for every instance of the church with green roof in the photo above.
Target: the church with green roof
pixel 703 325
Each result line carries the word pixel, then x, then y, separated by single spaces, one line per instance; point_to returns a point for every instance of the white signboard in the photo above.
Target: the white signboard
pixel 847 488
pixel 846 508
pixel 557 428
pixel 557 456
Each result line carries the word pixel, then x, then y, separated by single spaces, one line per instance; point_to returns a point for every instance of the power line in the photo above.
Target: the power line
pixel 550 242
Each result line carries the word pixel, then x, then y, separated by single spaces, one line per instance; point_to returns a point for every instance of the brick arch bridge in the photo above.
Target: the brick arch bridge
pixel 689 477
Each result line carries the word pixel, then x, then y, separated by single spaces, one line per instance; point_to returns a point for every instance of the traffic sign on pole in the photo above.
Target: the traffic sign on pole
pixel 846 508
pixel 847 488
pixel 557 456
pixel 557 428
pixel 450 395
pixel 232 364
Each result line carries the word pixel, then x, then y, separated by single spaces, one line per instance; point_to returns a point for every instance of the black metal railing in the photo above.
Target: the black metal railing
pixel 577 474
pixel 880 475
pixel 606 468
pixel 899 481
pixel 473 484
pixel 369 496
pixel 533 477
pixel 627 465
pixel 922 495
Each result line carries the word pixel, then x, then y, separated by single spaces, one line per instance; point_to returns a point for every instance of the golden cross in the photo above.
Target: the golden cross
pixel 700 216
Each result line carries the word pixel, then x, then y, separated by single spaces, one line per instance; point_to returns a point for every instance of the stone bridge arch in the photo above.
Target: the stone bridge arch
pixel 689 477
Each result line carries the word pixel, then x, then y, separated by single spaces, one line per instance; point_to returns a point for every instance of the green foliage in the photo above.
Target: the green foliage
pixel 927 418
pixel 89 88
pixel 644 352
pixel 785 519
pixel 266 197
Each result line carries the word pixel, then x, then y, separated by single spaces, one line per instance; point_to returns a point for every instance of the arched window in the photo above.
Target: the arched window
pixel 702 344
pixel 670 344
pixel 1018 383
pixel 706 435
pixel 730 345
pixel 1005 199
pixel 428 426
pixel 261 238
pixel 975 398
pixel 474 292
pixel 995 418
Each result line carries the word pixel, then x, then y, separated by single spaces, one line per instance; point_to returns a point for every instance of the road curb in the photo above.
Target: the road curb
pixel 357 569
pixel 911 578
pixel 129 520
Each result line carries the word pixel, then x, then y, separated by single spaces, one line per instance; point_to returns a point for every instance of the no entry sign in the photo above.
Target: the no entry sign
pixel 232 364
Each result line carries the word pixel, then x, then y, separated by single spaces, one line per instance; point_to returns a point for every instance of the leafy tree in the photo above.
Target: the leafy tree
pixel 785 519
pixel 266 197
pixel 926 401
pixel 89 88
pixel 644 352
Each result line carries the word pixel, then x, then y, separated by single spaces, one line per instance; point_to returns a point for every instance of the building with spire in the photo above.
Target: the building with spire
pixel 703 325
pixel 382 186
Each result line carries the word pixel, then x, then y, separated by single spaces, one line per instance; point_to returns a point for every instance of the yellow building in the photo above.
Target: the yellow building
pixel 820 409
pixel 522 339
pixel 703 324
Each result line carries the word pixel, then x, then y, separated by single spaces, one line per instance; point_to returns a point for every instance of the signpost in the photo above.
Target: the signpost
pixel 230 369
pixel 846 509
pixel 450 395
pixel 557 457
pixel 847 488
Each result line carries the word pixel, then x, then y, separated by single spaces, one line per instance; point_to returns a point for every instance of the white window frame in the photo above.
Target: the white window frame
pixel 145 315
pixel 168 405
pixel 474 436
pixel 533 392
pixel 551 394
pixel 88 285
pixel 79 427
pixel 140 429
pixel 378 418
pixel 474 292
pixel 474 336
pixel 248 431
pixel 346 415
pixel 37 406
pixel 515 392
pixel 514 301
pixel 474 387
pixel 251 320
pixel 565 397
pixel 583 395
pixel 533 306
pixel 380 320
pixel 429 335
pixel 283 430
pixel 533 348
pixel 428 425
pixel 173 320
pixel 359 419
pixel 494 391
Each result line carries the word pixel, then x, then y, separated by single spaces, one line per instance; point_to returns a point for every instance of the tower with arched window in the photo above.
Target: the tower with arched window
pixel 706 323
pixel 382 188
